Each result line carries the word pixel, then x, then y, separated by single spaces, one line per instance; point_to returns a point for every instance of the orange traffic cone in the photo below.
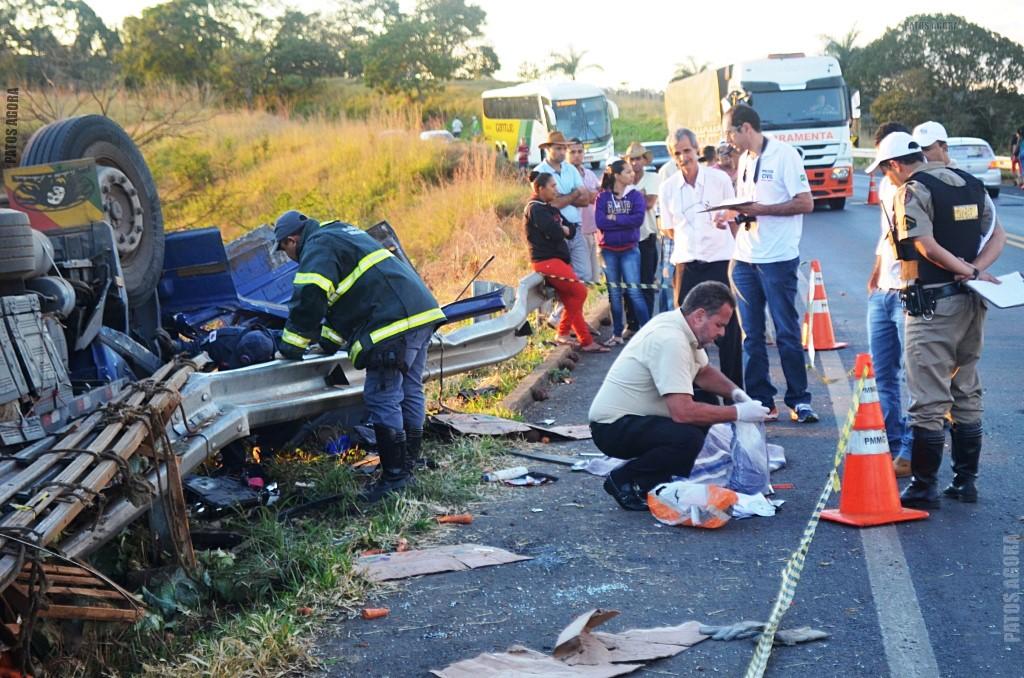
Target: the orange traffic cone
pixel 872 190
pixel 818 319
pixel 869 495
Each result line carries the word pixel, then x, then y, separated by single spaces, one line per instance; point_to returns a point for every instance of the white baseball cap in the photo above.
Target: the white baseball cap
pixel 894 145
pixel 927 133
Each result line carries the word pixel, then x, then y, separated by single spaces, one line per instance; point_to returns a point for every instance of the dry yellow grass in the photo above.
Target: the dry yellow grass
pixel 451 204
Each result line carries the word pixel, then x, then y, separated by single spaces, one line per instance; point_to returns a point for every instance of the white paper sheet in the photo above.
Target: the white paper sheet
pixel 1007 295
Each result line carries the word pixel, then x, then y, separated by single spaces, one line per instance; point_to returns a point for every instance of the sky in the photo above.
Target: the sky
pixel 638 43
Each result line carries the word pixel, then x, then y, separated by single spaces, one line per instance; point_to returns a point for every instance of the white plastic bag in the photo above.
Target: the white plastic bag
pixel 691 504
pixel 749 451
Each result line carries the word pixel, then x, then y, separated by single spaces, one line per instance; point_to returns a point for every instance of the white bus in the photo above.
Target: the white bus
pixel 530 110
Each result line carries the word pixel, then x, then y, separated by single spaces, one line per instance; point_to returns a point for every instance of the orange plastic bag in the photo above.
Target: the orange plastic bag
pixel 691 504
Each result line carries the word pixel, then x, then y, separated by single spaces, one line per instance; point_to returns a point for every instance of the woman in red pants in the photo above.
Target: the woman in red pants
pixel 549 253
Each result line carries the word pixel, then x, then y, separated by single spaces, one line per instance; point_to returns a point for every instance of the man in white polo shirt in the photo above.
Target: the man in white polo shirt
pixel 764 269
pixel 702 250
pixel 645 411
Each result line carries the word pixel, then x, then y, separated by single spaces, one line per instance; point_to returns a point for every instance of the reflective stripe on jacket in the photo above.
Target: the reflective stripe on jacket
pixel 350 288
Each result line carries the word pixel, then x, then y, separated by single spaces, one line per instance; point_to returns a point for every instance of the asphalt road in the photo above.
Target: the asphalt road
pixel 918 599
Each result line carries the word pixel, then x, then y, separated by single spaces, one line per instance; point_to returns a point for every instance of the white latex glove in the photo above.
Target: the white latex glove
pixel 750 411
pixel 740 396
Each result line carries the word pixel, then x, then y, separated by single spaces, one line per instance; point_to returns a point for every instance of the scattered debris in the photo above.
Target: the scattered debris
pixel 490 425
pixel 505 474
pixel 457 519
pixel 753 629
pixel 304 611
pixel 783 486
pixel 536 510
pixel 581 652
pixel 375 612
pixel 532 479
pixel 451 558
pixel 562 459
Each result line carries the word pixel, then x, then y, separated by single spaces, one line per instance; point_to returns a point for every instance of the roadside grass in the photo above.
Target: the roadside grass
pixel 262 603
pixel 641 118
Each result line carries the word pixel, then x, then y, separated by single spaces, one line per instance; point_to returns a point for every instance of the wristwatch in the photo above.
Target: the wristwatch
pixel 977 272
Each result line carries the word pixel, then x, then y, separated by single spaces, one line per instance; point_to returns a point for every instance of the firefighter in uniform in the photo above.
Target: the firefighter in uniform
pixel 939 212
pixel 350 290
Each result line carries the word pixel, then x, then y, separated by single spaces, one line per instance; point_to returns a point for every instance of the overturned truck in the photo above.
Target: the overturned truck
pixel 99 419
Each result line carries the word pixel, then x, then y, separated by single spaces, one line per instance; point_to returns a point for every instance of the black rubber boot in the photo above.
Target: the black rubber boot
pixel 925 460
pixel 966 448
pixel 393 475
pixel 414 459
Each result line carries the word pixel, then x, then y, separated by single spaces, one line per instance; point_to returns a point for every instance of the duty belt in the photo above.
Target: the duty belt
pixel 944 291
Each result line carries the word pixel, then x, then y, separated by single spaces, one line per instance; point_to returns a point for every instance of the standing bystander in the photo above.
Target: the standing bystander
pixel 646 182
pixel 702 249
pixel 764 268
pixel 593 185
pixel 885 322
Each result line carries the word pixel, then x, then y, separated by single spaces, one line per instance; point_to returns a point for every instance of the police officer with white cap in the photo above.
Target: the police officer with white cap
pixel 939 215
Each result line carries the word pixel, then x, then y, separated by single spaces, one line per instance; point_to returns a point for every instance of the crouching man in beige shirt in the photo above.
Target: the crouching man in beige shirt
pixel 645 412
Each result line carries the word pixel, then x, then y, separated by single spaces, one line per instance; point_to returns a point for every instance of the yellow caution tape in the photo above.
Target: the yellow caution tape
pixel 795 565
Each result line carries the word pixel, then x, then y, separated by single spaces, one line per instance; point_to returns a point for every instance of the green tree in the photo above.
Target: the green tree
pixel 56 42
pixel 418 52
pixel 943 67
pixel 528 71
pixel 688 67
pixel 570 63
pixel 180 40
pixel 842 48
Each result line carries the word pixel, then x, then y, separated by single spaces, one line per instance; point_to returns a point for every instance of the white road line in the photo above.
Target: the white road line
pixel 908 648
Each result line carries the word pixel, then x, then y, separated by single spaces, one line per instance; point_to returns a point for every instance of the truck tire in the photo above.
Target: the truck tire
pixel 836 204
pixel 130 197
pixel 17 250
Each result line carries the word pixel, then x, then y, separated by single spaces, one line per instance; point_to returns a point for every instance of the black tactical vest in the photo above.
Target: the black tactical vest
pixel 956 221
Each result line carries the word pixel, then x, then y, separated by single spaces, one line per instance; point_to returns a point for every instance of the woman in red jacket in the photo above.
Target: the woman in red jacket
pixel 549 253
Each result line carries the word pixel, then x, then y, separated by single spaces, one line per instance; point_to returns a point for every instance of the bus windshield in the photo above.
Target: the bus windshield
pixel 801 108
pixel 587 119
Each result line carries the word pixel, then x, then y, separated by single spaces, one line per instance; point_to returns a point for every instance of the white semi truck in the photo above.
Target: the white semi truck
pixel 801 100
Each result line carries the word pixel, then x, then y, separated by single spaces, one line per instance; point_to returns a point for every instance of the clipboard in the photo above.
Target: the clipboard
pixel 1009 294
pixel 731 204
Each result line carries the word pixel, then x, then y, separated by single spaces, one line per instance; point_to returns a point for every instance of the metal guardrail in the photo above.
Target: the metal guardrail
pixel 221 407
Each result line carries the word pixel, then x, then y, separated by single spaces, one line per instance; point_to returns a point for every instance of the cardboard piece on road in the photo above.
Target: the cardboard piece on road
pixel 581 652
pixel 578 645
pixel 522 661
pixel 489 425
pixel 481 424
pixel 570 431
pixel 451 558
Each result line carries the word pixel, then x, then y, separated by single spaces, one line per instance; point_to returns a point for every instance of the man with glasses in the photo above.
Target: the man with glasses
pixel 764 267
pixel 941 218
pixel 702 249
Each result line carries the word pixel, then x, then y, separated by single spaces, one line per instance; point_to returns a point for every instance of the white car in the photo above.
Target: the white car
pixel 975 156
pixel 659 149
pixel 441 135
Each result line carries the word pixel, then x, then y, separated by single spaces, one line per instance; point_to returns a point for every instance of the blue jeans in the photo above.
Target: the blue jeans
pixel 624 267
pixel 774 284
pixel 395 398
pixel 885 341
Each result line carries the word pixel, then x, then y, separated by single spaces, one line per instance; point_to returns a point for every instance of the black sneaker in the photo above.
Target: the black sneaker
pixel 803 414
pixel 628 495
